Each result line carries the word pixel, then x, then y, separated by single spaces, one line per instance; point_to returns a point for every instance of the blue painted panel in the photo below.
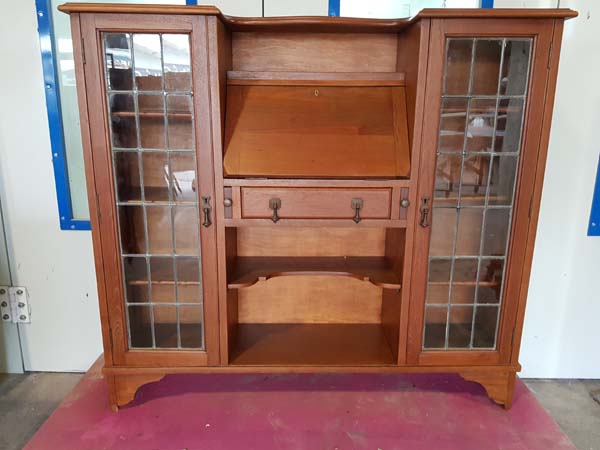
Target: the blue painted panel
pixel 61 176
pixel 334 8
pixel 191 2
pixel 594 226
pixel 487 3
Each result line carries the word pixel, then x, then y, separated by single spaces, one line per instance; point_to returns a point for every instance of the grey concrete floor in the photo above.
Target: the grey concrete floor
pixel 27 400
pixel 572 406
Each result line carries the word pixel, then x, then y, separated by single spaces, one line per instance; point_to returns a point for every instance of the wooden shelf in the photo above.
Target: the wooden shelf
pixel 250 270
pixel 315 78
pixel 310 345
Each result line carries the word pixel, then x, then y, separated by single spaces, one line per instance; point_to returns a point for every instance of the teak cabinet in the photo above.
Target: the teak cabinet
pixel 313 194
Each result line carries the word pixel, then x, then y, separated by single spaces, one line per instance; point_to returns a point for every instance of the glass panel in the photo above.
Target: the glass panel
pixel 156 176
pixel 127 174
pixel 149 92
pixel 122 116
pixel 140 326
pixel 447 179
pixel 463 281
pixel 176 54
pixel 148 63
pixel 117 56
pixel 486 69
pixel 183 177
pixel 496 231
pixel 133 234
pixel 136 279
pixel 453 121
pixel 515 67
pixel 508 128
pixel 439 281
pixel 468 235
pixel 484 93
pixel 186 230
pixel 490 280
pixel 480 131
pixel 502 180
pixel 165 326
pixel 443 221
pixel 160 233
pixel 458 63
pixel 474 180
pixel 484 329
pixel 190 324
pixel 435 327
pixel 181 133
pixel 152 120
pixel 459 327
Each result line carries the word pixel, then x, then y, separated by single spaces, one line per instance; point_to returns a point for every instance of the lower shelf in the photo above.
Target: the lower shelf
pixel 310 344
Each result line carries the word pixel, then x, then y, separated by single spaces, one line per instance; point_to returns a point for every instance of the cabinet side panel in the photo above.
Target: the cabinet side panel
pixel 537 190
pixel 82 101
pixel 219 62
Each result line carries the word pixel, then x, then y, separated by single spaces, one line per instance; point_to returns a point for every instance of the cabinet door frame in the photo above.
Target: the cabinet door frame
pixel 546 35
pixel 97 152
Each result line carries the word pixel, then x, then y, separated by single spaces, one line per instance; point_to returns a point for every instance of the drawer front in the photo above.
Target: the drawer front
pixel 316 203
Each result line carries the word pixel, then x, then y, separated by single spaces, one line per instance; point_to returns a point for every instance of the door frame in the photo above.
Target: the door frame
pixel 529 180
pixel 87 47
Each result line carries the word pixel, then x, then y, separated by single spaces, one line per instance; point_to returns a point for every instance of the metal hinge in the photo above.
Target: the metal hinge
pixel 82 51
pixel 14 304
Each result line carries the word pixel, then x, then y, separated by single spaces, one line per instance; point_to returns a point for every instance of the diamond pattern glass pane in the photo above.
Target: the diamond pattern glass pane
pixel 150 98
pixel 480 131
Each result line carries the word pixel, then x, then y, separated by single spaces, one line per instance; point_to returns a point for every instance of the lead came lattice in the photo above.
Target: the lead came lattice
pixel 481 121
pixel 150 98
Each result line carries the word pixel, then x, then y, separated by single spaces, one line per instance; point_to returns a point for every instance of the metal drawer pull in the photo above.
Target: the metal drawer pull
pixel 275 205
pixel 424 222
pixel 357 204
pixel 206 209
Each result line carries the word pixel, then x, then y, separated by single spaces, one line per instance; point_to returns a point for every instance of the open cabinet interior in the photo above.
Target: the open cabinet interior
pixel 313 296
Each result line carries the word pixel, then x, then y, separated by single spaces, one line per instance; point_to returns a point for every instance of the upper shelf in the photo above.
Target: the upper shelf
pixel 329 24
pixel 316 125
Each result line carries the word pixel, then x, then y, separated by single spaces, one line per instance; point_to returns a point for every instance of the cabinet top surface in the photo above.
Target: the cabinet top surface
pixel 312 23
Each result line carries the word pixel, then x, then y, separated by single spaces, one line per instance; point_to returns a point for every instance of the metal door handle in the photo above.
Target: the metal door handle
pixel 424 222
pixel 275 205
pixel 206 210
pixel 357 204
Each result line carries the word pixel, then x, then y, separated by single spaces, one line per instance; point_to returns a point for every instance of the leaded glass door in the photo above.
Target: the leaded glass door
pixel 158 162
pixel 472 196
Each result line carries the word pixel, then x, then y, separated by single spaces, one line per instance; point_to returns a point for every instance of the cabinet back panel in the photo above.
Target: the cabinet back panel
pixel 318 52
pixel 269 241
pixel 310 299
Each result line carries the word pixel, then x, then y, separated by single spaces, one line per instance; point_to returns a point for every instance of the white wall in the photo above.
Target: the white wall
pixel 562 334
pixel 56 266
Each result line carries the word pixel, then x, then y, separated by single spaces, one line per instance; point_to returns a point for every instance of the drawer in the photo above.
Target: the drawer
pixel 316 203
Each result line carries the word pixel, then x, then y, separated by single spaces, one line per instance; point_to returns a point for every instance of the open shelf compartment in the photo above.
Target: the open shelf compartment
pixel 314 296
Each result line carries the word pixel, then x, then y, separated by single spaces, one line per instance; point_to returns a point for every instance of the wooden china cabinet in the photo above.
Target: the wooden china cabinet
pixel 310 194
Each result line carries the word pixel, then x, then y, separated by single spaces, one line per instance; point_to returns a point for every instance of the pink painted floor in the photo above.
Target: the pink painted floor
pixel 429 412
